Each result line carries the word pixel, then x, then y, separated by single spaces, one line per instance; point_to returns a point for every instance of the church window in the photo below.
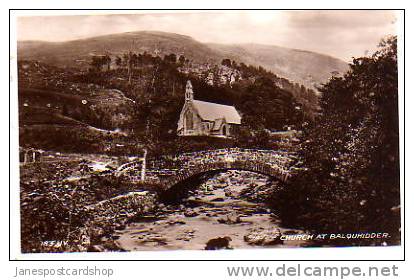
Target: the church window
pixel 189 123
pixel 225 130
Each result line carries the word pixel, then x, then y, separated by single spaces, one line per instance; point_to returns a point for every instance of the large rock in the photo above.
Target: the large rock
pixel 218 243
pixel 262 236
pixel 191 213
pixel 229 193
pixel 96 248
pixel 232 218
pixel 176 221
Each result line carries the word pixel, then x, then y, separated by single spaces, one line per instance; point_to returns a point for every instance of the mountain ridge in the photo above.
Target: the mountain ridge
pixel 300 66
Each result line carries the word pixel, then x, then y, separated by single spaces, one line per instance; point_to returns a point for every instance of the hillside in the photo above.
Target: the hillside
pixel 300 66
pixel 58 113
pixel 304 67
pixel 78 52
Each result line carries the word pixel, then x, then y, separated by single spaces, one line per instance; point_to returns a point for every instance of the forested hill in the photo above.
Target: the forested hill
pixel 303 67
pixel 113 93
pixel 141 95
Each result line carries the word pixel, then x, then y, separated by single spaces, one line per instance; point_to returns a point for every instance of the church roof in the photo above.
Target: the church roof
pixel 212 111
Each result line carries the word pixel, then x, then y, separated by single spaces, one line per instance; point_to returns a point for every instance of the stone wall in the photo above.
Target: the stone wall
pixel 123 206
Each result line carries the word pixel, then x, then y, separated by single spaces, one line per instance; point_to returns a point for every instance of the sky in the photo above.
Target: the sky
pixel 342 34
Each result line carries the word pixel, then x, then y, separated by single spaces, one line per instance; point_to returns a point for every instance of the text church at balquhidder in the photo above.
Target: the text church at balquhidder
pixel 200 118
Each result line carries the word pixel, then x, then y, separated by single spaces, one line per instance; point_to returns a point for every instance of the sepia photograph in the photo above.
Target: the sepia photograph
pixel 208 130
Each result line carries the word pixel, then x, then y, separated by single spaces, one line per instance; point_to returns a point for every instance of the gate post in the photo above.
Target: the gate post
pixel 144 165
pixel 26 156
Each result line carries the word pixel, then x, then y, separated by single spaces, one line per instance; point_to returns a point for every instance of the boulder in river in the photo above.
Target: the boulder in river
pixel 262 236
pixel 218 243
pixel 96 248
pixel 186 235
pixel 191 213
pixel 218 199
pixel 232 218
pixel 176 222
pixel 229 193
pixel 119 226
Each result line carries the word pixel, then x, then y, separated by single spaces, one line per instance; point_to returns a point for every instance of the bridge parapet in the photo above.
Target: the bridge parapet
pixel 170 170
pixel 276 158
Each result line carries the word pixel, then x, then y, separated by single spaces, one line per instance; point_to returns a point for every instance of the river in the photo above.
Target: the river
pixel 220 211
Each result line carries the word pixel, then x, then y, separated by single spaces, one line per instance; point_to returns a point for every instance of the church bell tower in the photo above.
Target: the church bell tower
pixel 189 95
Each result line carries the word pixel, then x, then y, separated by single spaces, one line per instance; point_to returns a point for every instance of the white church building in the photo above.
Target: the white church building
pixel 200 118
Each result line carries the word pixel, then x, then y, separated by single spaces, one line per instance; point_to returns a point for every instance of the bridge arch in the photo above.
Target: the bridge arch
pixel 172 171
pixel 175 188
pixel 215 167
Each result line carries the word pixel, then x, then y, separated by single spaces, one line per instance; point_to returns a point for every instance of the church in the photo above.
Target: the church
pixel 200 118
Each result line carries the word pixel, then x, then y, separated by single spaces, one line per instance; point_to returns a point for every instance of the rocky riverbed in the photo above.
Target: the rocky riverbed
pixel 225 212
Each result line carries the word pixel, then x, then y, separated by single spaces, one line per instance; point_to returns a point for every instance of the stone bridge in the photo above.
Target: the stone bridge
pixel 171 170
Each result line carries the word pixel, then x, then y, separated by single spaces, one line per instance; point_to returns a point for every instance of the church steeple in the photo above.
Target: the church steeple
pixel 189 95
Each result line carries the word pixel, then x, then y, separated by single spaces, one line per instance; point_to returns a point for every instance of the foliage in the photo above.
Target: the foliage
pixel 350 172
pixel 53 210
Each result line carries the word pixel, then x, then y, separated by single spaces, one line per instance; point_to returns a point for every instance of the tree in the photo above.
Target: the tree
pixel 350 172
pixel 130 65
pixel 181 60
pixel 118 61
pixel 171 58
pixel 97 63
pixel 134 60
pixel 107 61
pixel 226 62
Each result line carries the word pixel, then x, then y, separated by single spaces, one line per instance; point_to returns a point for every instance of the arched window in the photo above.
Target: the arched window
pixel 189 124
